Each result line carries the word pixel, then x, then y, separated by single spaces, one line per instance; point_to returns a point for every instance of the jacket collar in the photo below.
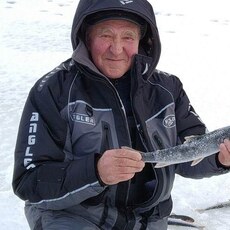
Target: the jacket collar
pixel 81 56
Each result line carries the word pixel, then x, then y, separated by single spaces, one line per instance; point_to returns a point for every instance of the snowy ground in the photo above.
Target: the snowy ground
pixel 195 34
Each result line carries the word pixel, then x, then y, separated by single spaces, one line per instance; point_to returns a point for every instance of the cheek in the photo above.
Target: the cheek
pixel 132 50
pixel 97 48
pixel 97 53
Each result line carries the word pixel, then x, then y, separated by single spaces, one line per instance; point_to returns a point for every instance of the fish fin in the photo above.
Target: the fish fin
pixel 197 161
pixel 189 138
pixel 161 165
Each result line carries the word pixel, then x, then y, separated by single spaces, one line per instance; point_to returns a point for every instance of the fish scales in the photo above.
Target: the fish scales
pixel 193 149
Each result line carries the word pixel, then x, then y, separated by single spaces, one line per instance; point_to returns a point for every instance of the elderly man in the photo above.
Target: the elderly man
pixel 70 166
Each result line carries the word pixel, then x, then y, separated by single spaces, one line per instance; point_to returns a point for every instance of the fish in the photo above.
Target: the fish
pixel 217 206
pixel 178 222
pixel 183 220
pixel 194 149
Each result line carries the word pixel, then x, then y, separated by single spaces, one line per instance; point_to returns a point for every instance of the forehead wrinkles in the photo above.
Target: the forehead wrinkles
pixel 117 24
pixel 126 32
pixel 122 30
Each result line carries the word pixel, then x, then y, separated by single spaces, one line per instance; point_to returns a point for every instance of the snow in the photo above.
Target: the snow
pixel 195 37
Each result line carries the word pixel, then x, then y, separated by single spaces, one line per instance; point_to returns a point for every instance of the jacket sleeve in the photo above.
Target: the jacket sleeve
pixel 42 173
pixel 188 124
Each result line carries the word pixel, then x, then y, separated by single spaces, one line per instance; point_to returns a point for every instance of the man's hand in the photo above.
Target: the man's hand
pixel 224 155
pixel 119 165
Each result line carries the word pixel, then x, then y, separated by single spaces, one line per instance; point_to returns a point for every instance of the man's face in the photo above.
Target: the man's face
pixel 112 45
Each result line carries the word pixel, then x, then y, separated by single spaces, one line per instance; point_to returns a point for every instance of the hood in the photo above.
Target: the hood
pixel 149 45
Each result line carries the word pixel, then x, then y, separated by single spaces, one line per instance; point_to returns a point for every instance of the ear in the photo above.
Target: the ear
pixel 87 36
pixel 87 41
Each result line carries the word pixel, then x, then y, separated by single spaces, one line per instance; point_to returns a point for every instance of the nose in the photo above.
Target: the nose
pixel 116 47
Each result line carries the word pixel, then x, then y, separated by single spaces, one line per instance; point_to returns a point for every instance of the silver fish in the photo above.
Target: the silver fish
pixel 194 149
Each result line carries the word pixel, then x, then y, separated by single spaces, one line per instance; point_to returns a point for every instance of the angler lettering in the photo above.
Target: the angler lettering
pixel 34 117
pixel 28 153
pixel 33 128
pixel 31 141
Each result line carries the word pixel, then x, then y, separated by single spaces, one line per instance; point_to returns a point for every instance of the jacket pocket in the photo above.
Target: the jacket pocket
pixel 157 140
pixel 106 142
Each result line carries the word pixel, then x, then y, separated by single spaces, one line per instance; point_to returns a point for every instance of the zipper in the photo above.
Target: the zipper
pixel 106 81
pixel 129 136
pixel 148 147
pixel 127 128
pixel 157 140
pixel 106 142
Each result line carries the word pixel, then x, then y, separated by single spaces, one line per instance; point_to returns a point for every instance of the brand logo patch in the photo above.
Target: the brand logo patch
pixel 126 1
pixel 82 118
pixel 169 121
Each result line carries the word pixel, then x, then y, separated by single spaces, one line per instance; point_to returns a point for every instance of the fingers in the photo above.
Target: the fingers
pixel 227 144
pixel 119 165
pixel 224 155
pixel 130 153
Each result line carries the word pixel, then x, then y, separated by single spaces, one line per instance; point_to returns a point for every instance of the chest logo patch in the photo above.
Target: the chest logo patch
pixel 169 121
pixel 83 118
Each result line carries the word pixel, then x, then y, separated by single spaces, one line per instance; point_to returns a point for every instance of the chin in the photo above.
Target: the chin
pixel 114 76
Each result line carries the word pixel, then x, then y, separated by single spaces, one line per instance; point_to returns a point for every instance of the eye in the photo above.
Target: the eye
pixel 129 38
pixel 105 36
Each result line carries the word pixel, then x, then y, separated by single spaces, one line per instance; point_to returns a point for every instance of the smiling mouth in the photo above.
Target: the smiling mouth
pixel 115 60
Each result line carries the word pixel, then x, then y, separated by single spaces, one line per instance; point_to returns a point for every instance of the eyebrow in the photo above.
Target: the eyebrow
pixel 128 32
pixel 104 30
pixel 131 33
